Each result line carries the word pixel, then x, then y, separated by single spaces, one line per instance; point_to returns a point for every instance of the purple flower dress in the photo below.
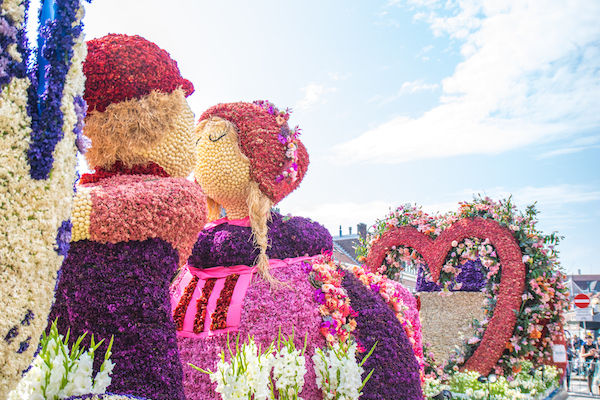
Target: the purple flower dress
pixel 226 250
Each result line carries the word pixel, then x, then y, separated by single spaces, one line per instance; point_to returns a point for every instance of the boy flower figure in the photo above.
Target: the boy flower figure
pixel 136 218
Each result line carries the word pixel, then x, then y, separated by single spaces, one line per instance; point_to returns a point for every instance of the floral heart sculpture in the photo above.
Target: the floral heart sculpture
pixel 434 252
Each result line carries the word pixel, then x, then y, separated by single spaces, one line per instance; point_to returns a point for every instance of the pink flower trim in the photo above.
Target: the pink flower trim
pixel 334 303
pixel 512 283
pixel 141 207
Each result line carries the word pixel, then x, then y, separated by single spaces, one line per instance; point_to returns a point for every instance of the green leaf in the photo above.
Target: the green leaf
pixel 368 355
pixel 366 380
pixel 200 369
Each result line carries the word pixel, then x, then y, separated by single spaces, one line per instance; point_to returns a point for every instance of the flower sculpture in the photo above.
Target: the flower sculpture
pixel 136 218
pixel 485 246
pixel 38 156
pixel 255 272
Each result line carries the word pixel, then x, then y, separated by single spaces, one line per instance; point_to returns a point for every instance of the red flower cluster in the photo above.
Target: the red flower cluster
pixel 219 316
pixel 512 283
pixel 119 168
pixel 258 133
pixel 121 67
pixel 180 310
pixel 201 305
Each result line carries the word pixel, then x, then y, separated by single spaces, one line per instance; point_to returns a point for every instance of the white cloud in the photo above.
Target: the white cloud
pixel 416 86
pixel 314 94
pixel 580 144
pixel 551 197
pixel 338 76
pixel 408 87
pixel 550 201
pixel 529 75
pixel 347 214
pixel 423 53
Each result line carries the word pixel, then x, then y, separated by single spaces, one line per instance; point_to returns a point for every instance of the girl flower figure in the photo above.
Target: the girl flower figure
pixel 249 272
pixel 136 218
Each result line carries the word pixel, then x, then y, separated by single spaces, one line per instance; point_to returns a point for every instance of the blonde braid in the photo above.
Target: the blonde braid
pixel 259 208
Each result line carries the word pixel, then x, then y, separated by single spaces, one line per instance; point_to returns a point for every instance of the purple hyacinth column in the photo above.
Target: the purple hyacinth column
pixel 395 368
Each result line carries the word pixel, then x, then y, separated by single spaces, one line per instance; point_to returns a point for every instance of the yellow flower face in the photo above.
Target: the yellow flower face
pixel 175 152
pixel 222 170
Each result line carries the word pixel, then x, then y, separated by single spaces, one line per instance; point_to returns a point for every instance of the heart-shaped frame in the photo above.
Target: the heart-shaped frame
pixel 434 251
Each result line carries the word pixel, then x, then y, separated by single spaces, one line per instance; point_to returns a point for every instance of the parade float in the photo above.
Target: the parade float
pixel 258 279
pixel 491 292
pixel 152 302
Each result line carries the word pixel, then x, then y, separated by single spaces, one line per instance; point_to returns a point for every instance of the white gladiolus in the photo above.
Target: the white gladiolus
pixel 58 372
pixel 247 375
pixel 289 368
pixel 338 372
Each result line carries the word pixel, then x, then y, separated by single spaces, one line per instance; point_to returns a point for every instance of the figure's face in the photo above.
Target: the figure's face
pixel 221 169
pixel 176 152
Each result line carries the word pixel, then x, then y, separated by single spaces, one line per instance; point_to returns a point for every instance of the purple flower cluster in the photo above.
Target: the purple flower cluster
pixel 82 142
pixel 227 244
pixel 91 396
pixel 471 276
pixel 63 238
pixel 9 34
pixel 395 368
pixel 123 290
pixel 59 37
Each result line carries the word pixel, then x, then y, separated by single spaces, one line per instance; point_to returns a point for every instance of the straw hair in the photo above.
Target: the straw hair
pixel 259 207
pixel 127 130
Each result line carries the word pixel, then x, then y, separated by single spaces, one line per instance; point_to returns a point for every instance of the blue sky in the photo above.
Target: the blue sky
pixel 420 101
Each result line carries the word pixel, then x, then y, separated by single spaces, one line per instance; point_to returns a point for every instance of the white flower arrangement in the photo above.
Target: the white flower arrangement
pixel 338 372
pixel 31 210
pixel 247 374
pixel 289 368
pixel 58 372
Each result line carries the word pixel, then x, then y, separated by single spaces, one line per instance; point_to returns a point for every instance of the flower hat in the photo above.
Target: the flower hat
pixel 122 67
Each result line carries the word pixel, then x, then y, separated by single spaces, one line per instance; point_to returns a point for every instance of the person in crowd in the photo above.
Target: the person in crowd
pixel 589 353
pixel 570 352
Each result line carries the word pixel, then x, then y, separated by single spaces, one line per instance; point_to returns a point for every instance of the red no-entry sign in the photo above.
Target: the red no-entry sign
pixel 582 300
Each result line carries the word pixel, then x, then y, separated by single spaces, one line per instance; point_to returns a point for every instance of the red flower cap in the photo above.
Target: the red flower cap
pixel 262 133
pixel 121 67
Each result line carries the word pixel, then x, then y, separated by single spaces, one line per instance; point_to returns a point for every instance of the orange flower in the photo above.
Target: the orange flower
pixel 352 324
pixel 516 369
pixel 535 334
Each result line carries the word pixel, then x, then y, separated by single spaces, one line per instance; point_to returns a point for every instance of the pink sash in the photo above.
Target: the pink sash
pixel 191 276
pixel 237 222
